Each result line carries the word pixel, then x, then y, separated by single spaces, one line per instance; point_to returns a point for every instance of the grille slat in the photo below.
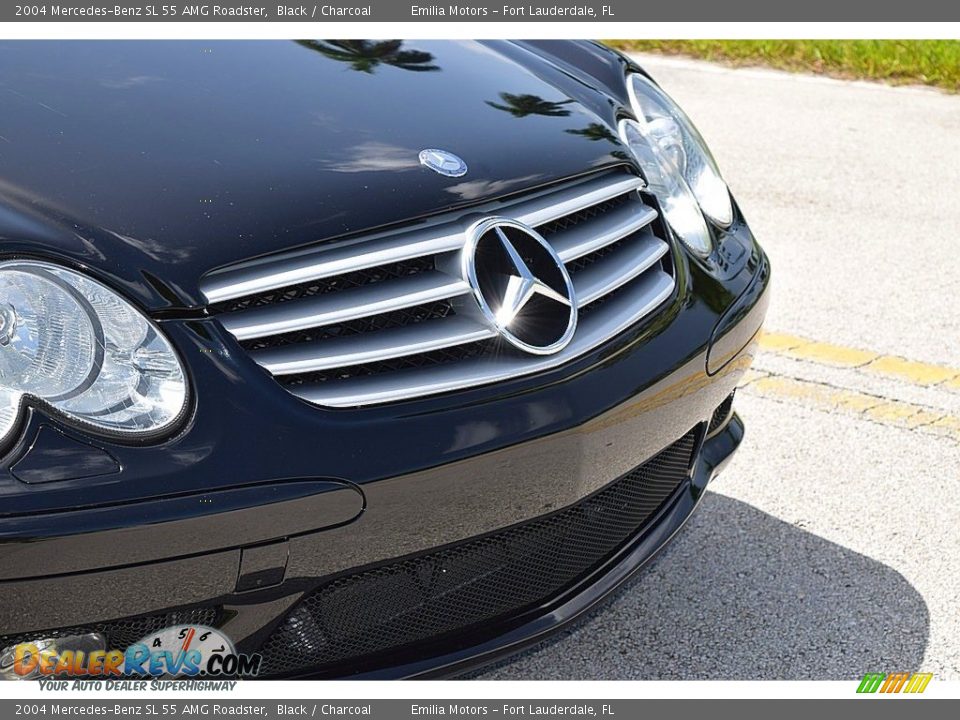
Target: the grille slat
pixel 618 268
pixel 571 200
pixel 372 347
pixel 476 583
pixel 585 238
pixel 340 260
pixel 331 308
pixel 311 316
pixel 325 286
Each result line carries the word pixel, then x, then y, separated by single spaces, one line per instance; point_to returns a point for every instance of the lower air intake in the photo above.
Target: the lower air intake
pixel 721 415
pixel 482 580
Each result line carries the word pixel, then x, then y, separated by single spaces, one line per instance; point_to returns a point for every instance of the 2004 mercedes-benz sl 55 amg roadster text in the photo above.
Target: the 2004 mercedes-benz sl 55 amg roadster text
pixel 382 359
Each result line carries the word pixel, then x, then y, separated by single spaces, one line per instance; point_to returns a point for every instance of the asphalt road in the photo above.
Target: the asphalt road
pixel 829 546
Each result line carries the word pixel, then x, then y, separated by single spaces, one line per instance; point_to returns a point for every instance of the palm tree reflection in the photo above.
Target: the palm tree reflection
pixel 523 105
pixel 595 131
pixel 366 55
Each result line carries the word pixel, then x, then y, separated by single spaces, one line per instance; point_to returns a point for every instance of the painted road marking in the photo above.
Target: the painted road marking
pixel 874 408
pixel 890 366
pixel 868 406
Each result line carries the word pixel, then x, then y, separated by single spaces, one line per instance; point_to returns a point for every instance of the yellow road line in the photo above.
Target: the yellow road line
pixel 948 424
pixel 877 409
pixel 889 366
pixel 916 373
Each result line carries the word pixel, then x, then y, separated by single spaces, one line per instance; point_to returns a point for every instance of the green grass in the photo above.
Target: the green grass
pixel 927 62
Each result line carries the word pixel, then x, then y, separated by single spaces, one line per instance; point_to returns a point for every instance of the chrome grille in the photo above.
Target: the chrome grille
pixel 388 317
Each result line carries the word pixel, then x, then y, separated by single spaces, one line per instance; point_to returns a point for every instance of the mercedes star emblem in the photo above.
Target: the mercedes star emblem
pixel 520 284
pixel 443 162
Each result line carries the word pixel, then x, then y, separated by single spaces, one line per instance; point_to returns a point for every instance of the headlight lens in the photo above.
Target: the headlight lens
pixel 78 346
pixel 677 200
pixel 670 130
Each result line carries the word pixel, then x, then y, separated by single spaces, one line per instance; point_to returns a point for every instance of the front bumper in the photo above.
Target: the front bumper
pixel 223 531
pixel 491 642
pixel 715 454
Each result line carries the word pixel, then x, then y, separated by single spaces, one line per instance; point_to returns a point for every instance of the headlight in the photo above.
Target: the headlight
pixel 76 345
pixel 676 199
pixel 669 129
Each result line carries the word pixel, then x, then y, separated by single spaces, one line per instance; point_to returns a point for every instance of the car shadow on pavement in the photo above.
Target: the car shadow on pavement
pixel 742 595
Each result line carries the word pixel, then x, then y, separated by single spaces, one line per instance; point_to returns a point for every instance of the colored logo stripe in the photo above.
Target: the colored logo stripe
pixel 918 682
pixel 870 683
pixel 894 682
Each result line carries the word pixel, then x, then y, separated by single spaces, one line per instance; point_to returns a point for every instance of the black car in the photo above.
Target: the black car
pixel 382 358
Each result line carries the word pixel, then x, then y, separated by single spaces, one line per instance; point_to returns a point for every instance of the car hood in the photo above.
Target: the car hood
pixel 152 163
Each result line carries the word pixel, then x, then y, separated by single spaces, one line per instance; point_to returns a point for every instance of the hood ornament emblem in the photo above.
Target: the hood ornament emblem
pixel 443 162
pixel 521 286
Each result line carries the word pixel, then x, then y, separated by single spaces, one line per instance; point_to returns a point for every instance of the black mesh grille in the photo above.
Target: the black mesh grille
pixel 721 414
pixel 120 634
pixel 484 580
pixel 434 357
pixel 326 285
pixel 568 221
pixel 372 323
pixel 590 258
